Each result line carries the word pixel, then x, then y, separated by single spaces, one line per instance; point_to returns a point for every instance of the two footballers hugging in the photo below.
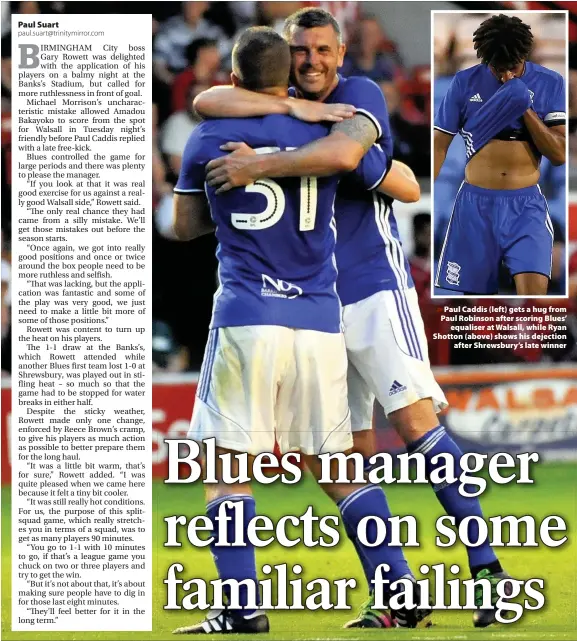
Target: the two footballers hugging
pixel 297 352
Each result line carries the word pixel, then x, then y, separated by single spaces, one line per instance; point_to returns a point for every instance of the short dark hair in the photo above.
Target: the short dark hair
pixel 192 50
pixel 261 59
pixel 503 41
pixel 309 18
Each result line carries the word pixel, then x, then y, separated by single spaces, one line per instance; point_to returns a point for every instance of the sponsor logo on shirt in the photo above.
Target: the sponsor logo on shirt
pixel 453 272
pixel 278 288
pixel 476 98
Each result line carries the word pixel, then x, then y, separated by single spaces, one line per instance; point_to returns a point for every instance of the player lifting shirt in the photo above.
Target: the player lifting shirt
pixel 509 112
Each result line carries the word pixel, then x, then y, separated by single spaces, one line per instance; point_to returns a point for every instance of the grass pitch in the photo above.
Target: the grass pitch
pixel 554 493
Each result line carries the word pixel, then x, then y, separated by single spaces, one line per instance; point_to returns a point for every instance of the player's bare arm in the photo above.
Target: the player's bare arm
pixel 550 141
pixel 441 142
pixel 359 130
pixel 401 184
pixel 339 152
pixel 191 216
pixel 236 102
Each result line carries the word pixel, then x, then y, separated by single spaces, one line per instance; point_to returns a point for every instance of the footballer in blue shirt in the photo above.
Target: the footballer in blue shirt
pixel 275 365
pixel 384 332
pixel 510 112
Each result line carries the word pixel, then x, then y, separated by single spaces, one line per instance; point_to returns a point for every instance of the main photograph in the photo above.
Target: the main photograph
pixel 317 310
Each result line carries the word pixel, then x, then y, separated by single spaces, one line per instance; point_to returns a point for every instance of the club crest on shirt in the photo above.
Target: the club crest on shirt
pixel 453 272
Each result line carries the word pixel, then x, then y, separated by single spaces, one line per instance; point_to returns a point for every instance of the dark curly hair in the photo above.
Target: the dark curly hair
pixel 503 41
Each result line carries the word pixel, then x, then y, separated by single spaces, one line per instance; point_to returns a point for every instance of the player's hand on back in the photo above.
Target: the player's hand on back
pixel 238 149
pixel 310 111
pixel 234 170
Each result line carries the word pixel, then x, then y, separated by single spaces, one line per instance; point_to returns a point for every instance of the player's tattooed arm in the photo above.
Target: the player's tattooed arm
pixel 191 216
pixel 339 152
pixel 550 141
pixel 236 102
pixel 441 142
pixel 360 129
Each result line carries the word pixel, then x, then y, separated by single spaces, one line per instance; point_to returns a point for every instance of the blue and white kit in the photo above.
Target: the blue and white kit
pixel 275 363
pixel 490 226
pixel 384 331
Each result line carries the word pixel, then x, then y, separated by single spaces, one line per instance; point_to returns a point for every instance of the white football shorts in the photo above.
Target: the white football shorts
pixel 388 356
pixel 263 382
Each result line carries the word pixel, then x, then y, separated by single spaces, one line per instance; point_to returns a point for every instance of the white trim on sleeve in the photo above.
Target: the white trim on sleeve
pixel 372 118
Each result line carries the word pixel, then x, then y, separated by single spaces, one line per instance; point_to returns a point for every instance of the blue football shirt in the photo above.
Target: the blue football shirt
pixel 276 237
pixel 369 252
pixel 473 87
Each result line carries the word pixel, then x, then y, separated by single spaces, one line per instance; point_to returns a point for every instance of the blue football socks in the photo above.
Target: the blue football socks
pixel 435 442
pixel 235 562
pixel 370 500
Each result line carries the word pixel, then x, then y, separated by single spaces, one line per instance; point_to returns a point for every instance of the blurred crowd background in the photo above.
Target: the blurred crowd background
pixel 387 41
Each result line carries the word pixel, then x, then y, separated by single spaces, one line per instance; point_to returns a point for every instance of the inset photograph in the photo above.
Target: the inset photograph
pixel 500 149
